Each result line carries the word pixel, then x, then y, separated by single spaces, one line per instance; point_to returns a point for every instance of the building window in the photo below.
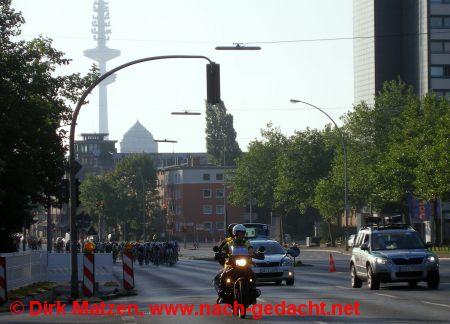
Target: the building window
pixel 219 193
pixel 219 226
pixel 440 22
pixel 440 46
pixel 206 176
pixel 207 209
pixel 437 71
pixel 440 71
pixel 219 209
pixel 206 193
pixel 219 176
pixel 437 47
pixel 442 93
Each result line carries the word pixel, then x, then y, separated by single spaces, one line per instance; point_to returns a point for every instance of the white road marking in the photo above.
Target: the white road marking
pixel 386 295
pixel 443 305
pixel 320 322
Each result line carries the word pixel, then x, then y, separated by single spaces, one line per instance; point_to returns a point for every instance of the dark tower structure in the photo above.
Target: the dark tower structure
pixel 101 54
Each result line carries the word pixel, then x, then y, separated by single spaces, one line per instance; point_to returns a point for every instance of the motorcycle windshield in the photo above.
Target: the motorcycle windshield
pixel 239 250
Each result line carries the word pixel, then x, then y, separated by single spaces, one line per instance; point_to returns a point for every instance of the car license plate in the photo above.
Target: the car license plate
pixel 268 270
pixel 408 268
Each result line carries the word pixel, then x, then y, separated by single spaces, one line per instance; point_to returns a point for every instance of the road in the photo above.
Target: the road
pixel 189 282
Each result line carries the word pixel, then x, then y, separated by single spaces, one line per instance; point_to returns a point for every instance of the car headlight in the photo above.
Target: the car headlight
pixel 431 259
pixel 241 262
pixel 382 261
pixel 286 262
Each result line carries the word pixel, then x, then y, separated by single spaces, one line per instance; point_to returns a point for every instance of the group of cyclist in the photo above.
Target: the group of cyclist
pixel 156 252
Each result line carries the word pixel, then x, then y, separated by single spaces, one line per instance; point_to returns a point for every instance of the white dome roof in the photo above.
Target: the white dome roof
pixel 138 140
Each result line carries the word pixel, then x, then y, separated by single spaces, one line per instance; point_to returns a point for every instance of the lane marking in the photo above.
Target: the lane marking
pixel 320 322
pixel 443 305
pixel 385 295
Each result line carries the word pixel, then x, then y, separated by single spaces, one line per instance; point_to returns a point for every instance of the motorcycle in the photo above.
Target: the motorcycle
pixel 238 280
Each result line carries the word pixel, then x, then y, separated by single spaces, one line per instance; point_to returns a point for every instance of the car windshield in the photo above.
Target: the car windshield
pixel 396 241
pixel 271 248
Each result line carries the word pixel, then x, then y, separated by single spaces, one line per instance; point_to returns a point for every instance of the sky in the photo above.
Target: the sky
pixel 297 60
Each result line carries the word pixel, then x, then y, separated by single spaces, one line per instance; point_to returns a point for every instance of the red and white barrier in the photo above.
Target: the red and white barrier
pixel 2 281
pixel 128 273
pixel 88 274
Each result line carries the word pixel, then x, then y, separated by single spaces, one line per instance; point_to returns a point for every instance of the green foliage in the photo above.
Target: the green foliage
pixel 257 170
pixel 305 160
pixel 34 104
pixel 127 195
pixel 220 135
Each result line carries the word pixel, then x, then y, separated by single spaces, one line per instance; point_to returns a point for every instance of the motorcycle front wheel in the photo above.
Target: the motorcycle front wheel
pixel 241 296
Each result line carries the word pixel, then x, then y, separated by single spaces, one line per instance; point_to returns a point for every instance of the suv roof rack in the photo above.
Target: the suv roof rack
pixel 389 222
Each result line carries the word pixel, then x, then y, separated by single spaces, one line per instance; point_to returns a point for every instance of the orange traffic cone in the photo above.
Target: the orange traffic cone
pixel 332 265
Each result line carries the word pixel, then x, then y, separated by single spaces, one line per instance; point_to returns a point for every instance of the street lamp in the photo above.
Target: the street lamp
pixel 165 141
pixel 238 47
pixel 344 149
pixel 186 112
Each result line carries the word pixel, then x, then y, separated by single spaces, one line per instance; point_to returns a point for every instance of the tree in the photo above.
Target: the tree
pixel 305 160
pixel 127 194
pixel 220 135
pixel 34 104
pixel 256 171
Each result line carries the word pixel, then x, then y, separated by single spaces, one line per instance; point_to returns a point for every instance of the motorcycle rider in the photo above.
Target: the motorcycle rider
pixel 219 256
pixel 239 239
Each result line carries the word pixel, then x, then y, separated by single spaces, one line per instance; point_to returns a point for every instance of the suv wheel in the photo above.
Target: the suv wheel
pixel 433 280
pixel 356 282
pixel 372 280
pixel 289 282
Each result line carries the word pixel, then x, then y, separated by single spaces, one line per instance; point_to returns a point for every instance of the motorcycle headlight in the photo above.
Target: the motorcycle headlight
pixel 241 262
pixel 431 259
pixel 286 262
pixel 382 261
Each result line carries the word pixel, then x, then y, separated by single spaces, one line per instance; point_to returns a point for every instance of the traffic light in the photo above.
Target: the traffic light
pixel 77 192
pixel 213 83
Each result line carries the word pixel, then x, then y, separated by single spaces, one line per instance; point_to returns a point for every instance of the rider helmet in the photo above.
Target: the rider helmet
pixel 239 228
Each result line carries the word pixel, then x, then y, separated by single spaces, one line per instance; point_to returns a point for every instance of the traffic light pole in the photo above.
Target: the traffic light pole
pixel 213 97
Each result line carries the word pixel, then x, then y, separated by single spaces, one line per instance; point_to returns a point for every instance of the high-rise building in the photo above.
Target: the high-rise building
pixel 409 39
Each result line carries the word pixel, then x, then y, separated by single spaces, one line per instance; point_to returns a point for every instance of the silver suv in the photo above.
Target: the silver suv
pixel 393 253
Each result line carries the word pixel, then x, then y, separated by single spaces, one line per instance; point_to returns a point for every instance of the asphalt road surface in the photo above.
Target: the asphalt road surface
pixel 189 283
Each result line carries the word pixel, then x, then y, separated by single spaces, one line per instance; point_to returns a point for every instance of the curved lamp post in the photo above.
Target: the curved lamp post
pixel 73 190
pixel 344 150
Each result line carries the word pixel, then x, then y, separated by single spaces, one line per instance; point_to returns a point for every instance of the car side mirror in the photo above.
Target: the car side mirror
pixel 261 249
pixel 429 245
pixel 216 248
pixel 364 247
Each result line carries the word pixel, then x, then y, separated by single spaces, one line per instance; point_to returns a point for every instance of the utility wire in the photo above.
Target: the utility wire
pixel 260 42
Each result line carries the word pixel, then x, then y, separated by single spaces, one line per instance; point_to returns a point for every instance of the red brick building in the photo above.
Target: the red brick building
pixel 195 199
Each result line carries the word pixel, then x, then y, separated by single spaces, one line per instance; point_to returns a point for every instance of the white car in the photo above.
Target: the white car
pixel 277 264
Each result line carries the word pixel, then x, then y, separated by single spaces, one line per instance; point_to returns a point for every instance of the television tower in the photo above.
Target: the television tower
pixel 101 54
